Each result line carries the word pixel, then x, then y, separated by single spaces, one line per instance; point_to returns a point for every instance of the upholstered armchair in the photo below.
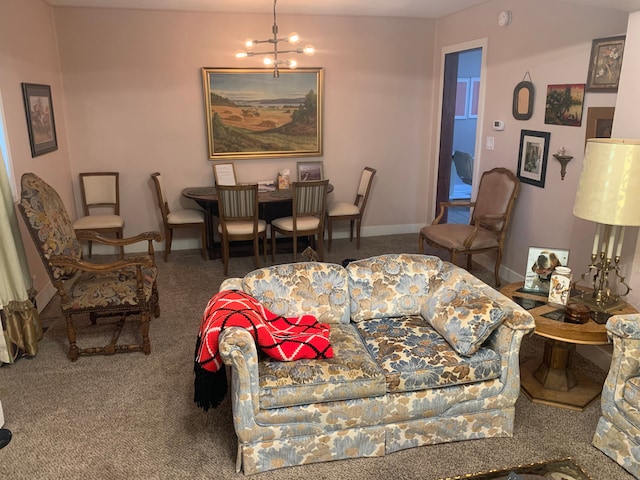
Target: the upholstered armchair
pixel 121 289
pixel 618 430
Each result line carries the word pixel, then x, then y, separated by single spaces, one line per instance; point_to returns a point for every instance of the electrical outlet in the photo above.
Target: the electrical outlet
pixel 489 144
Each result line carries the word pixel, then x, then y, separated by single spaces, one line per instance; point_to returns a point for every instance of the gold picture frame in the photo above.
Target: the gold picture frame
pixel 251 114
pixel 599 123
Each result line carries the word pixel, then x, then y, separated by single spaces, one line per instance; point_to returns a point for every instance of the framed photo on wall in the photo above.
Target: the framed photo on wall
pixel 40 121
pixel 605 64
pixel 533 156
pixel 251 114
pixel 564 104
pixel 599 122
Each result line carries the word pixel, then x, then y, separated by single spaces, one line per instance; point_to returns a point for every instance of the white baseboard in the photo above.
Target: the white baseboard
pixel 44 296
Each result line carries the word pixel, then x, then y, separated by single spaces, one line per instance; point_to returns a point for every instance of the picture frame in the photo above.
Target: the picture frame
pixel 41 123
pixel 599 122
pixel 224 174
pixel 310 171
pixel 605 64
pixel 533 156
pixel 541 262
pixel 251 114
pixel 462 99
pixel 564 104
pixel 474 97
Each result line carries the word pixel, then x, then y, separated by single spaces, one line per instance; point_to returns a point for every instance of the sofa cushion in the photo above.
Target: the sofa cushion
pixel 463 314
pixel 414 356
pixel 319 289
pixel 391 285
pixel 350 374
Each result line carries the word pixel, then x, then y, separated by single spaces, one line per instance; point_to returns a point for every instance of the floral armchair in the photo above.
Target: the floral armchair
pixel 120 289
pixel 618 430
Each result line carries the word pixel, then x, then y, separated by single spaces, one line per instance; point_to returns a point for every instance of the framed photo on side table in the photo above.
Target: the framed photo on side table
pixel 40 121
pixel 540 264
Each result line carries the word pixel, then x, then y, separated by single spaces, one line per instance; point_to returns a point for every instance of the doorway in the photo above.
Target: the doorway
pixel 461 91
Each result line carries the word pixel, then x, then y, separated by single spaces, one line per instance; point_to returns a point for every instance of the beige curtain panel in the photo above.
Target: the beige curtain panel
pixel 21 326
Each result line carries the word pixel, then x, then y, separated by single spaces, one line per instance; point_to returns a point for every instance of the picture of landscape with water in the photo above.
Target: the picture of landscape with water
pixel 251 113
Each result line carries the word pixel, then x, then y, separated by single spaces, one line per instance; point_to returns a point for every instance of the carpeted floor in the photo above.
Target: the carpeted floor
pixel 131 416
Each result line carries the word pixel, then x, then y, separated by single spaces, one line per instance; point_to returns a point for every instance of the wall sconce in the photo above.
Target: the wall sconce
pixel 563 159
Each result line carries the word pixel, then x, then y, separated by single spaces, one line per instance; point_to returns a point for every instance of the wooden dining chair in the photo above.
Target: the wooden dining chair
pixel 181 218
pixel 100 193
pixel 308 207
pixel 353 212
pixel 238 214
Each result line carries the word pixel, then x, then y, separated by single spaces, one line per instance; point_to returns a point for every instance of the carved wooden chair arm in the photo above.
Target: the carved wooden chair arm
pixel 149 237
pixel 491 221
pixel 455 203
pixel 132 261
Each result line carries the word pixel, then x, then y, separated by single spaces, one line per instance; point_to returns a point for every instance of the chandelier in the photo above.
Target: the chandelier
pixel 272 56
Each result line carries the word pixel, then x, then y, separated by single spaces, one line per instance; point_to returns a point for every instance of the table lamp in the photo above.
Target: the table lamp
pixel 608 194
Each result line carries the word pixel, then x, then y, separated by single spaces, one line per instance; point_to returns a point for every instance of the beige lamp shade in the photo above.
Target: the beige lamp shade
pixel 609 187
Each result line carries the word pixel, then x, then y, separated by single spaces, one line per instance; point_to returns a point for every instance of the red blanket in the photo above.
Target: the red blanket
pixel 281 338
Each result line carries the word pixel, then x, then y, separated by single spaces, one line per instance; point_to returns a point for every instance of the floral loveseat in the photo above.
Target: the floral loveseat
pixel 424 353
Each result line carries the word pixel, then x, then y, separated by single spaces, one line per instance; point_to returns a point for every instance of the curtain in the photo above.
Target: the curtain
pixel 21 326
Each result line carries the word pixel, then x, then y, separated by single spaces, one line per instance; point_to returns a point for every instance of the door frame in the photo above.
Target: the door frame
pixel 481 43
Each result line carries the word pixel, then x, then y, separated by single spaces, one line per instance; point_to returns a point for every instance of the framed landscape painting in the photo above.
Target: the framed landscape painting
pixel 252 114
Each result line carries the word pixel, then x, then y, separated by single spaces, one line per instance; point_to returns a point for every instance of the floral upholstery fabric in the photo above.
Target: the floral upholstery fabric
pixel 414 356
pixel 53 225
pixel 319 289
pixel 618 431
pixel 391 285
pixel 351 373
pixel 109 290
pixel 423 391
pixel 463 314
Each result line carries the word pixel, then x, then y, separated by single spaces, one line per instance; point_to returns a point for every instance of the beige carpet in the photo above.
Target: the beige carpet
pixel 131 416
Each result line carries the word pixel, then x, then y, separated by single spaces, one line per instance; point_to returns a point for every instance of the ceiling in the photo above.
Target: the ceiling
pixel 383 8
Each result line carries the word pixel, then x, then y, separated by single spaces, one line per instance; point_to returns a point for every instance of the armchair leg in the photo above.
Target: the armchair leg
pixel 167 243
pixel 358 224
pixel 420 244
pixel 273 245
pixel 203 240
pixel 330 228
pixel 144 331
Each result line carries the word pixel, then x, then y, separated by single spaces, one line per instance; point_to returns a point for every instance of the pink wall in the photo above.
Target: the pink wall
pixel 552 41
pixel 133 89
pixel 28 53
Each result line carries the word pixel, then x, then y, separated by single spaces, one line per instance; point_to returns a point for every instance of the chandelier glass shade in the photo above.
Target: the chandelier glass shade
pixel 271 57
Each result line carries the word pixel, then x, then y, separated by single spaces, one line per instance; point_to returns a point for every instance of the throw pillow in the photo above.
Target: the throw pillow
pixel 463 315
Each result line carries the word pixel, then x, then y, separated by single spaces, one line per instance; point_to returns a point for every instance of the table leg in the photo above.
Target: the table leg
pixel 555 381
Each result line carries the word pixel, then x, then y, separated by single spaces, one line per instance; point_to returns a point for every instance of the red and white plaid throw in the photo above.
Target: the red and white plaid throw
pixel 281 338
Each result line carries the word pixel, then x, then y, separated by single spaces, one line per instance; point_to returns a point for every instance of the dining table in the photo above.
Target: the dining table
pixel 272 204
